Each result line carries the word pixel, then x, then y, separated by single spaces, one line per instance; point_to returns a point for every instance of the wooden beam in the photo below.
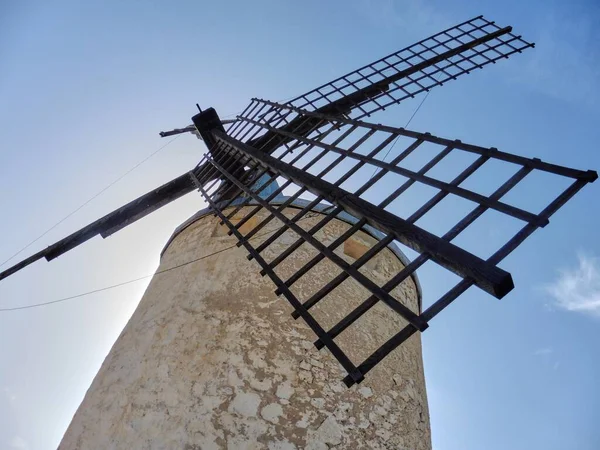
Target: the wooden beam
pixel 113 221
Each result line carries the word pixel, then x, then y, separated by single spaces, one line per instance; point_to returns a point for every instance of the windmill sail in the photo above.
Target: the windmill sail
pixel 331 167
pixel 431 62
pixel 112 222
pixel 136 209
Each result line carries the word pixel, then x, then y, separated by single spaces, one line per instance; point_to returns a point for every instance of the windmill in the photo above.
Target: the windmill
pixel 268 139
pixel 320 145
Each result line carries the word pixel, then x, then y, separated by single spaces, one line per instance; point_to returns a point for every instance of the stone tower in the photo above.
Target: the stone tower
pixel 211 358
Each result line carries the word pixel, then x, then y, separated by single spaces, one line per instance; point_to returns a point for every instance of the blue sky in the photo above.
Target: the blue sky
pixel 86 88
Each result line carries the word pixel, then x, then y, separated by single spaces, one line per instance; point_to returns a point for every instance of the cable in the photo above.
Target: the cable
pixel 231 115
pixel 405 126
pixel 74 296
pixel 88 201
pixel 106 288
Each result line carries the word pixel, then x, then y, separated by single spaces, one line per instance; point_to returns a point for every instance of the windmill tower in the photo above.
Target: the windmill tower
pixel 301 195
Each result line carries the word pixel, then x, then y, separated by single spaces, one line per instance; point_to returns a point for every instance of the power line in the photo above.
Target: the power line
pixel 106 288
pixel 88 201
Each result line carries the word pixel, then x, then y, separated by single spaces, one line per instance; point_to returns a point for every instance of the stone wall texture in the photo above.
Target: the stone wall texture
pixel 212 359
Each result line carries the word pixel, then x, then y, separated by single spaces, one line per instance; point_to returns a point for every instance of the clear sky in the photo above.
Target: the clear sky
pixel 85 87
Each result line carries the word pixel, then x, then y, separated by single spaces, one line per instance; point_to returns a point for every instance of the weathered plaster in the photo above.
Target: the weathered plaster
pixel 212 359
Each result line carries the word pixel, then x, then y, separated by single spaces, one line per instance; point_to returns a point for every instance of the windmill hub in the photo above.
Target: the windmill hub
pixel 205 122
